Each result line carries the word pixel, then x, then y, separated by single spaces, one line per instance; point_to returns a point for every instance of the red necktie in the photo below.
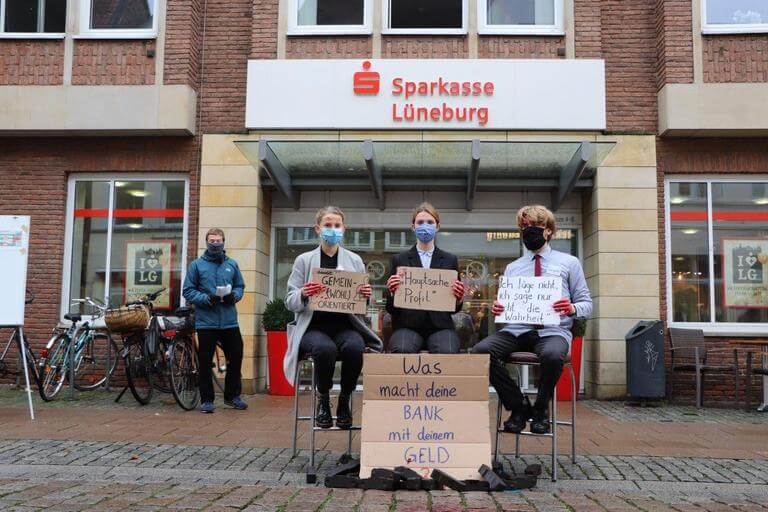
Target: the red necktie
pixel 537 273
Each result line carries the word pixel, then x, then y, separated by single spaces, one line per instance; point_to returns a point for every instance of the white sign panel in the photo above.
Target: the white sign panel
pixel 14 249
pixel 508 94
pixel 528 300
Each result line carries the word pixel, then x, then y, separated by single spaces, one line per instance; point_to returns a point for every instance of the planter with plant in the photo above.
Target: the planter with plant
pixel 578 329
pixel 275 321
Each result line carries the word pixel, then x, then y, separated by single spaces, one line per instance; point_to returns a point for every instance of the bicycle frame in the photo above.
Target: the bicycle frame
pixel 31 359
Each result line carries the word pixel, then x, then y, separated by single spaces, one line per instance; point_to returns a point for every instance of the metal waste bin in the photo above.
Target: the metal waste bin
pixel 646 377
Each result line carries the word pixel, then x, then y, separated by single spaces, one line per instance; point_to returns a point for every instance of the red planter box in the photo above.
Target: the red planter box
pixel 277 345
pixel 564 384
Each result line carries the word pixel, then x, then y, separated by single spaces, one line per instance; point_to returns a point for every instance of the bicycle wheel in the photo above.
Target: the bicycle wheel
pixel 137 370
pixel 184 383
pixel 54 371
pixel 96 361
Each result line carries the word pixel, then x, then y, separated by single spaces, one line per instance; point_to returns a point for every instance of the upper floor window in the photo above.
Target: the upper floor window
pixel 329 17
pixel 537 17
pixel 734 16
pixel 425 16
pixel 32 18
pixel 119 18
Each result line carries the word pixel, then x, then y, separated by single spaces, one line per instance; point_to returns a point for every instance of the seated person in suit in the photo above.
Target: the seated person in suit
pixel 415 330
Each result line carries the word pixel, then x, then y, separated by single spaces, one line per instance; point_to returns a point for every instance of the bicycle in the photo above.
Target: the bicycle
pixel 72 353
pixel 21 343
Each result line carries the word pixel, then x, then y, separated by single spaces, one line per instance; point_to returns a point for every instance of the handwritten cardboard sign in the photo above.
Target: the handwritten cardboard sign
pixel 341 294
pixel 426 411
pixel 426 288
pixel 528 300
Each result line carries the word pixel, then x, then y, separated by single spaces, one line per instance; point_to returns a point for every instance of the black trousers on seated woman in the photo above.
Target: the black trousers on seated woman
pixel 330 345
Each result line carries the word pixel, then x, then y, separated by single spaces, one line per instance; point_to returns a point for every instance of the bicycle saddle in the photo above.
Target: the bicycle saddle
pixel 73 318
pixel 183 312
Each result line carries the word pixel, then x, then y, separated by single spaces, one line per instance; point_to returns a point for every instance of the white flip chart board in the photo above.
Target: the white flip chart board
pixel 14 250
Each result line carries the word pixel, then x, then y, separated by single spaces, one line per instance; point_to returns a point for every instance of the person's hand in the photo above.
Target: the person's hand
pixel 365 290
pixel 229 299
pixel 393 283
pixel 497 309
pixel 212 299
pixel 311 288
pixel 564 307
pixel 458 289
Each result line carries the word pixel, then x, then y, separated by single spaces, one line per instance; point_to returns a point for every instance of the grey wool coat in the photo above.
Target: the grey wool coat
pixel 301 274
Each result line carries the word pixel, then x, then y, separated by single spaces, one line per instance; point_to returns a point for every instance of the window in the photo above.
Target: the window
pixel 32 18
pixel 125 239
pixel 717 256
pixel 425 16
pixel 119 18
pixel 734 16
pixel 538 17
pixel 329 17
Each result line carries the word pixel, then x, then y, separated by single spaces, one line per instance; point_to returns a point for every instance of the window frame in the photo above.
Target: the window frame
pixel 28 35
pixel 69 228
pixel 711 328
pixel 294 29
pixel 730 28
pixel 86 32
pixel 556 29
pixel 387 30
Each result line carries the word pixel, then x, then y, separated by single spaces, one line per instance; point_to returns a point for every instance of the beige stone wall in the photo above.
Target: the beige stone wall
pixel 621 259
pixel 231 199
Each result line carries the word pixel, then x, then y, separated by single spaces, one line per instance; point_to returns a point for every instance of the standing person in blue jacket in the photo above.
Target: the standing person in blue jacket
pixel 214 285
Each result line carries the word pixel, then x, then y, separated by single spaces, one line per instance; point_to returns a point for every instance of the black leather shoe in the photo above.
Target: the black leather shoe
pixel 516 422
pixel 343 413
pixel 539 422
pixel 323 417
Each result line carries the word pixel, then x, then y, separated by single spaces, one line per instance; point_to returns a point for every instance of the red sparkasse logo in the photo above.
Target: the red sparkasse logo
pixel 366 82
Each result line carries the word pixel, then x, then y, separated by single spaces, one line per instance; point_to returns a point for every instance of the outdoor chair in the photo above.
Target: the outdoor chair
pixel 760 370
pixel 689 355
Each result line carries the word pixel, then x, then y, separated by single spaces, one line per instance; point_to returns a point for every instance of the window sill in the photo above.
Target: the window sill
pixel 31 35
pixel 731 29
pixel 364 31
pixel 726 330
pixel 116 35
pixel 516 31
pixel 424 32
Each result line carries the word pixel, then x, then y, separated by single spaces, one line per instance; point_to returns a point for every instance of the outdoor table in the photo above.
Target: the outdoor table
pixel 762 344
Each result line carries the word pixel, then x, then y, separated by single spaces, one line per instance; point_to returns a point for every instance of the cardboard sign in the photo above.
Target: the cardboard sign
pixel 341 294
pixel 426 412
pixel 528 300
pixel 426 288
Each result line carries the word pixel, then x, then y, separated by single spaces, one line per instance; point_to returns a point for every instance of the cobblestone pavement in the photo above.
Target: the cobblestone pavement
pixel 620 411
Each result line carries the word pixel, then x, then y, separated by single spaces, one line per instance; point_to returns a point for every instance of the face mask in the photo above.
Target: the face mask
pixel 533 238
pixel 216 248
pixel 425 232
pixel 332 236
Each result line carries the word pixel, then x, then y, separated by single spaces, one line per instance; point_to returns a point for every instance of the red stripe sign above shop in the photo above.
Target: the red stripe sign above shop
pixel 410 93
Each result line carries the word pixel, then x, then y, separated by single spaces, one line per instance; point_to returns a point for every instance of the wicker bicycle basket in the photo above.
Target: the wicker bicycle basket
pixel 127 318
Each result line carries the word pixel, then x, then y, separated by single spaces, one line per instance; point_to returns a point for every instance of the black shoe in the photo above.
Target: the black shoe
pixel 539 422
pixel 516 422
pixel 323 417
pixel 343 413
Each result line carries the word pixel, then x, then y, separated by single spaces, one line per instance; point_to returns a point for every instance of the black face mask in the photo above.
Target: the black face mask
pixel 533 238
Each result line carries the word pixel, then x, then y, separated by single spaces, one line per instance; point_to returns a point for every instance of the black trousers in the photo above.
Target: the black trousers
pixel 232 343
pixel 552 351
pixel 346 346
pixel 409 341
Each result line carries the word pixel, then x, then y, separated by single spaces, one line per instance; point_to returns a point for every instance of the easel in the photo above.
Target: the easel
pixel 18 335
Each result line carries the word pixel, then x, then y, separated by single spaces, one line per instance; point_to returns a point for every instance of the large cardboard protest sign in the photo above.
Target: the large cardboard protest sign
pixel 341 293
pixel 426 289
pixel 528 300
pixel 426 411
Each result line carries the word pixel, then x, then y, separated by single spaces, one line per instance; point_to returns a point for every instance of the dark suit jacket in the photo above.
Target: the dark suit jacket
pixel 418 320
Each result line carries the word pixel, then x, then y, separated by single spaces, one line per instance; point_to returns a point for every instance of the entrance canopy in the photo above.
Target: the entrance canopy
pixel 466 167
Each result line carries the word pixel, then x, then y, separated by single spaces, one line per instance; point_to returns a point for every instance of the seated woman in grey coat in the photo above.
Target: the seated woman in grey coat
pixel 327 337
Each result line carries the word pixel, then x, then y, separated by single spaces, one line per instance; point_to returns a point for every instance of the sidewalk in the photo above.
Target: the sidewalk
pixel 92 454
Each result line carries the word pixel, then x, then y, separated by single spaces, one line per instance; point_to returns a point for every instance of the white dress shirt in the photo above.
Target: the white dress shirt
pixel 425 257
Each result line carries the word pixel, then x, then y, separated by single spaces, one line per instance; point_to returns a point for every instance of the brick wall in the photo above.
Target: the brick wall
pixel 264 29
pixel 505 47
pixel 31 62
pixel 332 47
pixel 587 29
pixel 114 62
pixel 674 42
pixel 424 47
pixel 183 32
pixel 736 58
pixel 33 181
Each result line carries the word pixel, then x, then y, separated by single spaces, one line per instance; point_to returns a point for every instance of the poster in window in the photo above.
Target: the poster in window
pixel 745 272
pixel 147 269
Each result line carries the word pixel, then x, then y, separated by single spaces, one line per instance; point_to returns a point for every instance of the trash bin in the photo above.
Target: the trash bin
pixel 646 377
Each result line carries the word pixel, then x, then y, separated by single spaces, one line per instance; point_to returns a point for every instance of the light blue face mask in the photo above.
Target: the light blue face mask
pixel 332 236
pixel 425 232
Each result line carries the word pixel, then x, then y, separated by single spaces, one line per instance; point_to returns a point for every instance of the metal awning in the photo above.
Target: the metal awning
pixel 467 167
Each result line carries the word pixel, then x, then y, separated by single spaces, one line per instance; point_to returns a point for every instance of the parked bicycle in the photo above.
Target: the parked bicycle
pixel 16 370
pixel 84 349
